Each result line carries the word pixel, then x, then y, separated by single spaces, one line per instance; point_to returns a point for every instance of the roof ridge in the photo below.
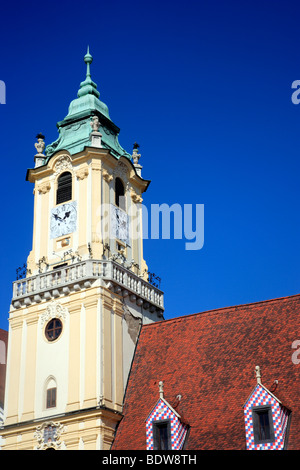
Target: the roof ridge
pixel 220 310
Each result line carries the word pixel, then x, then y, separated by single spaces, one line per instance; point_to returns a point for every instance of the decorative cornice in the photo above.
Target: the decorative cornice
pixel 107 176
pixel 82 173
pixel 44 188
pixel 91 302
pixel 135 197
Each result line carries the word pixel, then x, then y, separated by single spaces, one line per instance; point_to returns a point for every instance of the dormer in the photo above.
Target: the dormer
pixel 266 419
pixel 165 429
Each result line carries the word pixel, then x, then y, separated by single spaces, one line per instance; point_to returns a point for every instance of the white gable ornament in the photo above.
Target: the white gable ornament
pixel 63 164
pixel 121 170
pixel 54 310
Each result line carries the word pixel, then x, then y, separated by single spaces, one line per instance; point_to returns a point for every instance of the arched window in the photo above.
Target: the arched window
pixel 64 187
pixel 51 393
pixel 119 193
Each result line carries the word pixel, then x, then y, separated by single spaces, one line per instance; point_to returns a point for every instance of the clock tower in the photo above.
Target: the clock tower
pixel 75 316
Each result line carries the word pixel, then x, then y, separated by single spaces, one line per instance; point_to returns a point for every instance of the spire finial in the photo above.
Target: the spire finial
pixel 258 374
pixel 88 87
pixel 88 59
pixel 161 389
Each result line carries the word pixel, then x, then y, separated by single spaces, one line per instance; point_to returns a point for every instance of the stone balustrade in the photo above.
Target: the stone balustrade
pixel 74 277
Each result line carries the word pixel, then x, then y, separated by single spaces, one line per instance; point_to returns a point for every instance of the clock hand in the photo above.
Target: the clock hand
pixel 57 217
pixel 67 214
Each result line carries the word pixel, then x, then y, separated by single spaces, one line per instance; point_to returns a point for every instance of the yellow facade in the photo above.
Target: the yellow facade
pixel 95 286
pixel 93 172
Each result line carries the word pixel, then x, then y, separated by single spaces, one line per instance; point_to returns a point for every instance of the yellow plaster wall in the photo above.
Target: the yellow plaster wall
pixel 92 430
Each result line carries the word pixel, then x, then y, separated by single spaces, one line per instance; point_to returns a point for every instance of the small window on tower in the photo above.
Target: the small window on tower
pixel 53 329
pixel 119 194
pixel 51 398
pixel 64 188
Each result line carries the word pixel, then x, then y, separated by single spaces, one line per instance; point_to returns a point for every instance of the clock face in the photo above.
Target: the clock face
pixel 119 224
pixel 63 219
pixel 122 226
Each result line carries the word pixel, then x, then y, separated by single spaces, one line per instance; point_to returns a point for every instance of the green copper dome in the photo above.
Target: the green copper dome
pixel 74 130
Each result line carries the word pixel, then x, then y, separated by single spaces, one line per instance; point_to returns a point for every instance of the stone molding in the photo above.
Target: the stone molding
pixel 54 310
pixel 53 441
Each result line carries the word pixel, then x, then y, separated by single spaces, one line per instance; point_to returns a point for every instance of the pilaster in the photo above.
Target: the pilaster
pixel 97 242
pixel 29 372
pixel 13 372
pixel 75 352
pixel 90 388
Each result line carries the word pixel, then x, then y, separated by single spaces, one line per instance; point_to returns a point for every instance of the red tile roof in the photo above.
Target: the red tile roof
pixel 209 359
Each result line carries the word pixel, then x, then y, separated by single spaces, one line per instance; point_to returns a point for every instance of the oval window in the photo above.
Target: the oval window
pixel 53 329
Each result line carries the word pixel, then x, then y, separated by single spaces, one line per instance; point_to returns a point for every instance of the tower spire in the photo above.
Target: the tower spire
pixel 88 87
pixel 88 59
pixel 81 109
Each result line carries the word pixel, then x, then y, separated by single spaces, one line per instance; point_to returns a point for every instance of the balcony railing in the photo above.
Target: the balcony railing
pixel 74 277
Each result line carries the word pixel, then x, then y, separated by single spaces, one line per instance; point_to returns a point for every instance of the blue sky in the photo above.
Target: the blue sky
pixel 205 89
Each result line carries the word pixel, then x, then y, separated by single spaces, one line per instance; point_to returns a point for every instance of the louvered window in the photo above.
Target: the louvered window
pixel 119 194
pixel 64 188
